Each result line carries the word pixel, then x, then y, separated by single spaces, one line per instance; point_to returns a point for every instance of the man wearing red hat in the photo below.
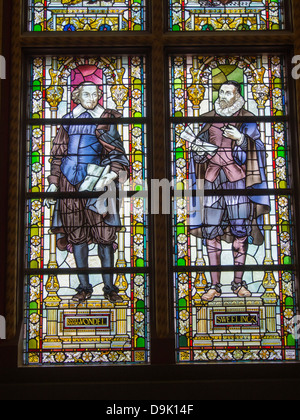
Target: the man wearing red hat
pixel 76 222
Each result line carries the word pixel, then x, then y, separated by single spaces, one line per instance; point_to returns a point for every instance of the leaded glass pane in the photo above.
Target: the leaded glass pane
pixel 86 15
pixel 232 208
pixel 86 227
pixel 226 15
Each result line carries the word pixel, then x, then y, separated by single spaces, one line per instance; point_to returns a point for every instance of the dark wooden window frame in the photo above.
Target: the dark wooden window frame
pixel 163 378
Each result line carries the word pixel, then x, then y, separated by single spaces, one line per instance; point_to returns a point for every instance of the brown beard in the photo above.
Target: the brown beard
pixel 224 104
pixel 230 109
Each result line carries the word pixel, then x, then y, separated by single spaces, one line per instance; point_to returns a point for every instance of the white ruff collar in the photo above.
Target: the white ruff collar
pixel 231 110
pixel 94 113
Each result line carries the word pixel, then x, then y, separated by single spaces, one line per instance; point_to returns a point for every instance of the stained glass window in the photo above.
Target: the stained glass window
pixel 233 226
pixel 86 15
pixel 226 15
pixel 86 229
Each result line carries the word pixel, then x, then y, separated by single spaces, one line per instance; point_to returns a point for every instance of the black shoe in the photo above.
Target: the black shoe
pixel 113 297
pixel 82 296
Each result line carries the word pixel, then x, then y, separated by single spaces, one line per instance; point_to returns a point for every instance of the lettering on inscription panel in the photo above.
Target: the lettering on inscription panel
pixel 222 319
pixel 87 321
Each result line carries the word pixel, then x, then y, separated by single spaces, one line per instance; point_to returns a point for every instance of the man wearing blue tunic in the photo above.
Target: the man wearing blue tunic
pixel 76 223
pixel 237 163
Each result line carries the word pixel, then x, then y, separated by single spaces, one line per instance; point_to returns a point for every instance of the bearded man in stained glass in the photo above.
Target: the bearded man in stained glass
pixel 237 163
pixel 77 222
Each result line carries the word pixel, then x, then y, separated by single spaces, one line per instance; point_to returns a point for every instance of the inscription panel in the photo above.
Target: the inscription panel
pixel 246 319
pixel 99 322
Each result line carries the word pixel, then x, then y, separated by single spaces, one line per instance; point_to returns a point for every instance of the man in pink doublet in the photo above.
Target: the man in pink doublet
pixel 237 164
pixel 223 159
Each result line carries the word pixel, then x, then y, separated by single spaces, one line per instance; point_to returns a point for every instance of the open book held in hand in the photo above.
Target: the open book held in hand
pixel 197 143
pixel 97 178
